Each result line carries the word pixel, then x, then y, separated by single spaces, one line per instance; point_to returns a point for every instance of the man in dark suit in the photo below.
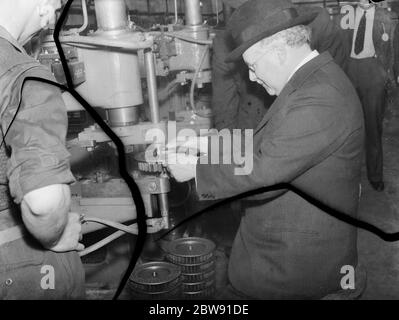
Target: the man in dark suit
pixel 311 137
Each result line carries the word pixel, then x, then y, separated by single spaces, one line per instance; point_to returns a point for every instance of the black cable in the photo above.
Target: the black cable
pixel 344 217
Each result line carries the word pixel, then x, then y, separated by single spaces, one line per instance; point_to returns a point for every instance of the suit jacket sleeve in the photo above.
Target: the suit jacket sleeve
pixel 310 129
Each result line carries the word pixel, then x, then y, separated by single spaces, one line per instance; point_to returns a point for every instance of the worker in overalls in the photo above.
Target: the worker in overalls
pixel 39 236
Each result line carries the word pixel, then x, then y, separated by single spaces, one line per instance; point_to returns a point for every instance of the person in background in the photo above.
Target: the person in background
pixel 369 31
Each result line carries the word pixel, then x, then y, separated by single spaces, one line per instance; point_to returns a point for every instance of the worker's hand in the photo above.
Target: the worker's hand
pixel 198 144
pixel 182 166
pixel 71 235
pixel 45 212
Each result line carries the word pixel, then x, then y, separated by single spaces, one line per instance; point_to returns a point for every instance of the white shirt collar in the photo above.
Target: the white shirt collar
pixel 369 10
pixel 309 57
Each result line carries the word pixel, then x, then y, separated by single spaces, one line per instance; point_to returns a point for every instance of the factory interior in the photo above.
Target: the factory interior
pixel 144 65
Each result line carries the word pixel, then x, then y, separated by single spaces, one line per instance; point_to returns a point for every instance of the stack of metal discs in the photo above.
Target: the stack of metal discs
pixel 195 257
pixel 155 281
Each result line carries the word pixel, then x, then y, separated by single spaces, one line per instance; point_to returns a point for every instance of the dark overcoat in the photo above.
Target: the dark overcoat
pixel 311 137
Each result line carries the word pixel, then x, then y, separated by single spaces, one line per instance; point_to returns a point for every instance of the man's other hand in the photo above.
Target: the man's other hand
pixel 45 213
pixel 184 168
pixel 71 236
pixel 200 144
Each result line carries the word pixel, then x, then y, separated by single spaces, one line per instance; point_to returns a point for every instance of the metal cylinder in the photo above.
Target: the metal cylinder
pixel 123 116
pixel 115 84
pixel 111 14
pixel 163 204
pixel 152 86
pixel 190 54
pixel 193 12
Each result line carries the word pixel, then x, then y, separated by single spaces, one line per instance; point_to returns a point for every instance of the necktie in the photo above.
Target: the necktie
pixel 361 32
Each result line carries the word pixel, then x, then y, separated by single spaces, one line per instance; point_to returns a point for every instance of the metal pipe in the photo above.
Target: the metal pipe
pixel 126 43
pixel 176 14
pixel 193 12
pixel 188 38
pixel 85 17
pixel 194 81
pixel 164 207
pixel 111 14
pixel 152 85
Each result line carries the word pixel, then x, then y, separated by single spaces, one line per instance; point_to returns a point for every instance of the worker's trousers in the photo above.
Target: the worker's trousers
pixel 369 78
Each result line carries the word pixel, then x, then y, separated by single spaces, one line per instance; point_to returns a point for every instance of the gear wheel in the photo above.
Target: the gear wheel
pixel 146 166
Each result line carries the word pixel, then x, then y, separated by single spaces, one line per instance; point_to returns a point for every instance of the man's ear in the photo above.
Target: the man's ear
pixel 281 52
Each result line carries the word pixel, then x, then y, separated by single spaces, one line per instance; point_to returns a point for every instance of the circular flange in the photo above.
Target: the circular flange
pixel 198 268
pixel 196 287
pixel 147 165
pixel 173 294
pixel 197 277
pixel 190 251
pixel 206 293
pixel 155 277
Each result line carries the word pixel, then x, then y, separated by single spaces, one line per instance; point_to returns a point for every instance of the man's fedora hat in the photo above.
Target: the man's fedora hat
pixel 259 19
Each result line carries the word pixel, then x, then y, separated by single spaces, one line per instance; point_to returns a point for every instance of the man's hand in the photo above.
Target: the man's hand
pixel 71 236
pixel 199 144
pixel 45 213
pixel 184 168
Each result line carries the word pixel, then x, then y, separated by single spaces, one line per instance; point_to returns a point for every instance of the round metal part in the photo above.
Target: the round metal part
pixel 198 277
pixel 150 167
pixel 123 116
pixel 145 165
pixel 198 268
pixel 155 277
pixel 173 294
pixel 206 293
pixel 199 286
pixel 117 83
pixel 190 251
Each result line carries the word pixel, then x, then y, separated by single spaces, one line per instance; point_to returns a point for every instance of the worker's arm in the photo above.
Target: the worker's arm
pixel 38 168
pixel 311 130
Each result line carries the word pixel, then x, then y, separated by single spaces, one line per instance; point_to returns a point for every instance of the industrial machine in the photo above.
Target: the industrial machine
pixel 146 85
